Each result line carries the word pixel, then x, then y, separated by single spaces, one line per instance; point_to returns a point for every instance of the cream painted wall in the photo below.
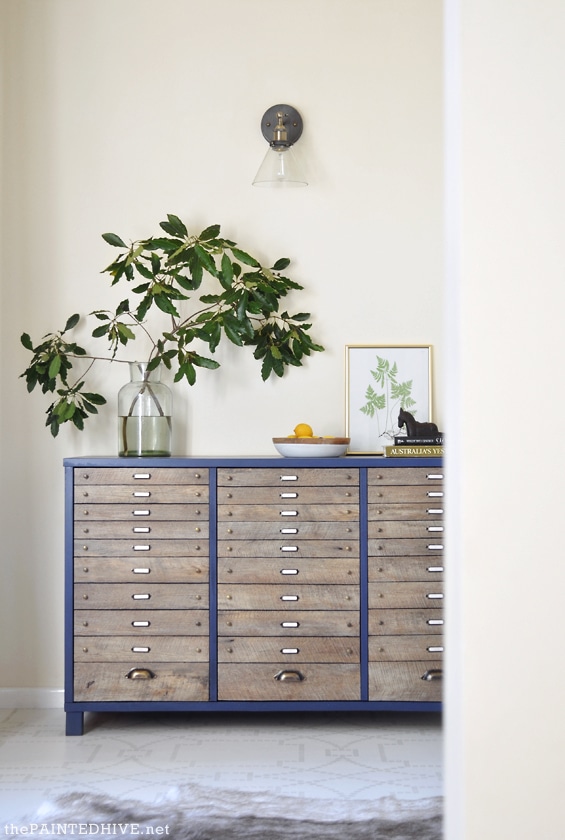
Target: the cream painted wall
pixel 506 246
pixel 119 111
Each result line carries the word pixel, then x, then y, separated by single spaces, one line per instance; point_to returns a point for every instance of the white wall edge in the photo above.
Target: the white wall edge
pixel 31 698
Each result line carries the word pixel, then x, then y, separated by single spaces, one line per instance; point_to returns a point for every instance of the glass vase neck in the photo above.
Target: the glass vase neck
pixel 138 372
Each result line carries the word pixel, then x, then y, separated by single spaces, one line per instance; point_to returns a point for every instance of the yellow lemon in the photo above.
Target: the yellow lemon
pixel 303 430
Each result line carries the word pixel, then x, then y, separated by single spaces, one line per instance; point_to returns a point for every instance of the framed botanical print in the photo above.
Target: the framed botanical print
pixel 380 380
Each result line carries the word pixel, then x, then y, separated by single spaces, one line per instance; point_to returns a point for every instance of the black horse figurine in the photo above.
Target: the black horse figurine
pixel 414 428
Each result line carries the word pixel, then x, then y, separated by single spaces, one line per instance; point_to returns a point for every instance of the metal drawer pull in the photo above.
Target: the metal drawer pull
pixel 289 597
pixel 142 475
pixel 289 571
pixel 289 548
pixel 436 595
pixel 433 511
pixel 434 476
pixel 435 547
pixel 141 571
pixel 289 478
pixel 290 624
pixel 141 624
pixel 435 495
pixel 144 597
pixel 141 493
pixel 289 513
pixel 141 513
pixel 289 530
pixel 433 622
pixel 141 547
pixel 289 676
pixel 435 568
pixel 145 530
pixel 290 650
pixel 140 649
pixel 288 495
pixel 433 675
pixel 437 649
pixel 435 528
pixel 140 674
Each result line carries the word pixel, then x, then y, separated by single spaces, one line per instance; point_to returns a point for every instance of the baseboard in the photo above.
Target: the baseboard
pixel 31 698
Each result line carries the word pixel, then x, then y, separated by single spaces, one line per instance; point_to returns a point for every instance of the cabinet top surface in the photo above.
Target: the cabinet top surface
pixel 345 462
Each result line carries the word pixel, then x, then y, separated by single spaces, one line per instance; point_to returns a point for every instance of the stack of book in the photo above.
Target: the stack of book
pixel 413 447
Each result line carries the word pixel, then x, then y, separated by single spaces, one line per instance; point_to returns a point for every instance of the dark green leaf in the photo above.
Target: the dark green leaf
pixel 100 331
pixel 114 239
pixel 281 264
pixel 72 322
pixel 26 341
pixel 98 399
pixel 245 258
pixel 210 232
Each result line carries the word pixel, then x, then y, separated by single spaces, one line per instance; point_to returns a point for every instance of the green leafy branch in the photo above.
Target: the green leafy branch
pixel 164 272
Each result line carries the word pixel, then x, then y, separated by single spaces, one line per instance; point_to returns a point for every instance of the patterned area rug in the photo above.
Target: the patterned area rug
pixel 192 813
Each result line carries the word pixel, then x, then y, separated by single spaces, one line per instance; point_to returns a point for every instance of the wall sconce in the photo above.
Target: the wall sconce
pixel 281 127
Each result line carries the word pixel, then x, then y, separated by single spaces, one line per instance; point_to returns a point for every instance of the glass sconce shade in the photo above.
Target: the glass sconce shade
pixel 280 169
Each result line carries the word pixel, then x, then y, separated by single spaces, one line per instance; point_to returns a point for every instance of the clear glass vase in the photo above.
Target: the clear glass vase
pixel 145 407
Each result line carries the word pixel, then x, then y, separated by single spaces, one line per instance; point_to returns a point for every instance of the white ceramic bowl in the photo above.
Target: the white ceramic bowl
pixel 311 447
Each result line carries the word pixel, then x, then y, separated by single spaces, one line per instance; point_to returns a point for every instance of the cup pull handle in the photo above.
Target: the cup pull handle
pixel 433 675
pixel 140 674
pixel 289 676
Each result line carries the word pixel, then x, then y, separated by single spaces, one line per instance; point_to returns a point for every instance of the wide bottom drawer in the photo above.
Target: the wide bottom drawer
pixel 285 682
pixel 412 681
pixel 128 682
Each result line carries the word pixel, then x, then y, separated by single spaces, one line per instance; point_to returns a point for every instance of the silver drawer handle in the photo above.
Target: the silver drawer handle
pixel 433 622
pixel 435 547
pixel 289 548
pixel 290 624
pixel 142 475
pixel 435 495
pixel 141 624
pixel 289 513
pixel 435 569
pixel 289 530
pixel 141 513
pixel 141 571
pixel 141 493
pixel 141 547
pixel 435 477
pixel 289 571
pixel 288 495
pixel 434 528
pixel 145 530
pixel 438 649
pixel 435 596
pixel 435 511
pixel 290 650
pixel 289 478
pixel 289 597
pixel 140 649
pixel 144 597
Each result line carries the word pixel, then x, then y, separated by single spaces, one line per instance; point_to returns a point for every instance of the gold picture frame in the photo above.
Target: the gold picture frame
pixel 379 380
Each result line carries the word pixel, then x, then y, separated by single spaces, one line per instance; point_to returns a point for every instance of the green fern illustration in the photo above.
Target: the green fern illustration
pixel 383 404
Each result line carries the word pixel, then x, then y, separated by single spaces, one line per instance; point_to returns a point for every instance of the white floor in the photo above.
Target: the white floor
pixel 345 761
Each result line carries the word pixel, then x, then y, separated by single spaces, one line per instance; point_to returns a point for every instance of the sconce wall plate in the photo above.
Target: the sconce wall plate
pixel 292 123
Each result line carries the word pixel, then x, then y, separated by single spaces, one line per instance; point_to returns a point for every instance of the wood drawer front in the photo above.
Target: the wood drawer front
pixel 282 530
pixel 297 570
pixel 172 682
pixel 154 570
pixel 405 595
pixel 141 495
pixel 391 622
pixel 138 476
pixel 405 494
pixel 143 596
pixel 405 475
pixel 429 547
pixel 288 651
pixel 284 478
pixel 287 515
pixel 141 514
pixel 142 530
pixel 405 569
pixel 398 681
pixel 140 548
pixel 291 597
pixel 431 529
pixel 287 498
pixel 288 624
pixel 140 651
pixel 288 550
pixel 405 648
pixel 419 512
pixel 305 682
pixel 142 624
